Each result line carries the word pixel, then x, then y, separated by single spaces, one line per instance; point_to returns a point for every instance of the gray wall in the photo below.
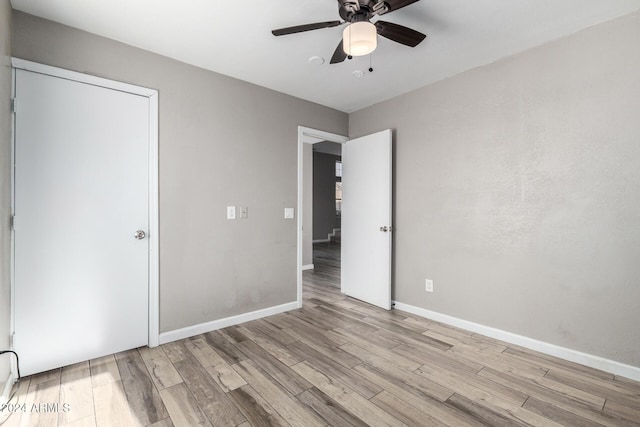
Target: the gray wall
pixel 222 142
pixel 5 186
pixel 517 191
pixel 324 195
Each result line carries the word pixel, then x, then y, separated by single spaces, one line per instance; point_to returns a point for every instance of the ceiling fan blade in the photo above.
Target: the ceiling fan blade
pixel 339 55
pixel 397 4
pixel 305 27
pixel 399 34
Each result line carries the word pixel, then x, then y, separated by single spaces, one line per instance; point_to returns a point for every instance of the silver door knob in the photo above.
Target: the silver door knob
pixel 139 235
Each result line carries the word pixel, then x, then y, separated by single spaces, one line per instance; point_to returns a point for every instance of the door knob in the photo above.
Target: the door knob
pixel 139 235
pixel 384 229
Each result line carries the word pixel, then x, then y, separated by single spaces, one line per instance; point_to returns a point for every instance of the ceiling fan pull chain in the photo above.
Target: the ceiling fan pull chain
pixel 370 63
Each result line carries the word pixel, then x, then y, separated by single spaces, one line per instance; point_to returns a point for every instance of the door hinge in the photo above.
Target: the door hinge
pixel 14 105
pixel 12 222
pixel 12 340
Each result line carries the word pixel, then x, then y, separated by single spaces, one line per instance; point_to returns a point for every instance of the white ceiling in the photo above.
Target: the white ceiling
pixel 233 37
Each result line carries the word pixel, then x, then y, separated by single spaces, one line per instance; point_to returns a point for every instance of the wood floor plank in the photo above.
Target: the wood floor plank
pixel 104 370
pixel 418 398
pixel 45 376
pixel 489 405
pixel 393 329
pixel 310 332
pixel 182 407
pixel 267 328
pixel 331 368
pixel 176 351
pixel 444 359
pixel 480 345
pixel 163 373
pixel 276 349
pixel 255 408
pixel 42 393
pixel 550 362
pixel 358 346
pixel 328 409
pixel 481 413
pixel 401 376
pixel 233 334
pixel 229 353
pixel 622 411
pixel 287 406
pixel 212 401
pixel 606 389
pixel 76 391
pixel 471 385
pixel 163 423
pixel 82 422
pixel 500 362
pixel 142 395
pixel 111 406
pixel 349 399
pixel 220 371
pixel 404 412
pixel 288 378
pixel 552 412
pixel 556 398
pixel 330 351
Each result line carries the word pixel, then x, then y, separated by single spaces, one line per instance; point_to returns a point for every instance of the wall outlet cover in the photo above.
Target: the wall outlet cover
pixel 289 213
pixel 231 212
pixel 428 285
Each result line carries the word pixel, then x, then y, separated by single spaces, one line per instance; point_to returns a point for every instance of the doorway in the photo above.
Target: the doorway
pixel 326 213
pixel 307 139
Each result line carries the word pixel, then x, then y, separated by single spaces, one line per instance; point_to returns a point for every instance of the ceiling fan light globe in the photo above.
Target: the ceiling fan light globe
pixel 359 38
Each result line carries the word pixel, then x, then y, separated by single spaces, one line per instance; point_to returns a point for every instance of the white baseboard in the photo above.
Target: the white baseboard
pixel 6 390
pixel 597 362
pixel 308 267
pixel 202 328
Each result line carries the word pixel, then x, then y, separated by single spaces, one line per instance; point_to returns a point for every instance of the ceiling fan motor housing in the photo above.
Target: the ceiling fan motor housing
pixel 363 10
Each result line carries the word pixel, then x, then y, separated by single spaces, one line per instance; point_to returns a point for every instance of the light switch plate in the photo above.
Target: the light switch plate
pixel 231 212
pixel 289 213
pixel 244 212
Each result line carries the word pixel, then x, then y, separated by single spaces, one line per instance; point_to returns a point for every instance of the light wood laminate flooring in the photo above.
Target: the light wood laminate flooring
pixel 336 361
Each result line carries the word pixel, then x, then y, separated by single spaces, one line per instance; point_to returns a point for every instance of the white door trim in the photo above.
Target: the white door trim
pixel 307 136
pixel 154 252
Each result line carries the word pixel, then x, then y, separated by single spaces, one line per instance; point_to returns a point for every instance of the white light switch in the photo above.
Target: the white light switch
pixel 289 213
pixel 231 212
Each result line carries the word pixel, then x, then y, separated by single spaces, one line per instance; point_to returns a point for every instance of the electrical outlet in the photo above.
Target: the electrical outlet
pixel 428 285
pixel 244 212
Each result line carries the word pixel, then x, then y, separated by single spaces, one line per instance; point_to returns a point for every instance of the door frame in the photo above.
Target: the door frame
pixel 153 234
pixel 307 136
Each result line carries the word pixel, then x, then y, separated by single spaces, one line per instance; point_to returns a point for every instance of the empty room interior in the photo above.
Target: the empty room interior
pixel 328 212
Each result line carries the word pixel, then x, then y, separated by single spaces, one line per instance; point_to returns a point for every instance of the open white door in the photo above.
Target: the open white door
pixel 366 219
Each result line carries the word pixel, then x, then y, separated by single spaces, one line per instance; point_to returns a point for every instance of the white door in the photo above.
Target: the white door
pixel 366 219
pixel 81 193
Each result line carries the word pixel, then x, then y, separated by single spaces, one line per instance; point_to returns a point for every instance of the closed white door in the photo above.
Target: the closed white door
pixel 81 194
pixel 366 219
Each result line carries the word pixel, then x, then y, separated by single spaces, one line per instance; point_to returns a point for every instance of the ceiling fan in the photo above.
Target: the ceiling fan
pixel 359 37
